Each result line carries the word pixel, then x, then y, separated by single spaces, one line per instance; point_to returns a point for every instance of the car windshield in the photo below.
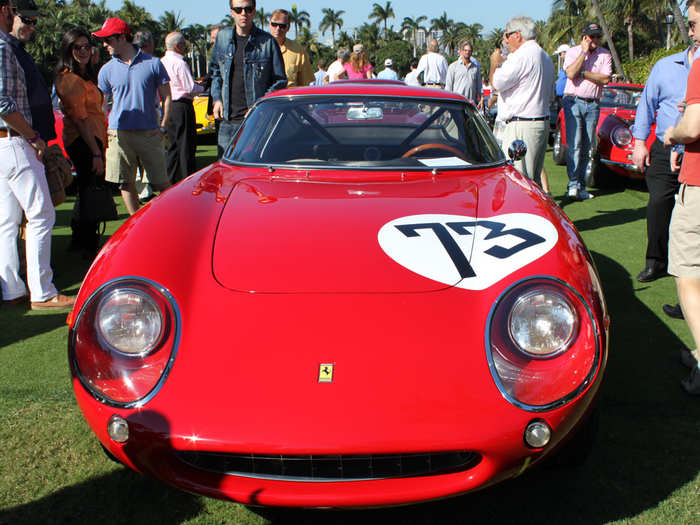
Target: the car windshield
pixel 364 132
pixel 621 97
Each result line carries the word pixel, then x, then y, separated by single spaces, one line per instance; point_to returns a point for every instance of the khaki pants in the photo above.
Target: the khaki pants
pixel 534 134
pixel 126 147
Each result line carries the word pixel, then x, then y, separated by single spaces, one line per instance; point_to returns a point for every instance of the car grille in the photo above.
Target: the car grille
pixel 332 468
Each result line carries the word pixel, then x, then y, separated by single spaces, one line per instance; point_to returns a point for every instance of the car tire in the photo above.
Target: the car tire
pixel 558 149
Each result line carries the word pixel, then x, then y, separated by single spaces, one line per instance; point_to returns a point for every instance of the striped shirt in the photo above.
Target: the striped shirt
pixel 13 91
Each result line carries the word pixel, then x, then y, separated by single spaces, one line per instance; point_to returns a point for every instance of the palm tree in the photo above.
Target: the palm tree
pixel 382 14
pixel 411 26
pixel 308 40
pixel 472 32
pixel 134 15
pixel 331 20
pixel 344 40
pixel 442 24
pixel 261 17
pixel 566 20
pixel 298 18
pixel 171 21
pixel 368 34
pixel 451 36
pixel 227 21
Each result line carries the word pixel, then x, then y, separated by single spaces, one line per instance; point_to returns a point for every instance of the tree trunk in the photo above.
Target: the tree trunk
pixel 630 40
pixel 680 22
pixel 608 37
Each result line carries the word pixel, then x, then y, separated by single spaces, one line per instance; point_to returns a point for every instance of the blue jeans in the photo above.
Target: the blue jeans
pixel 227 129
pixel 581 121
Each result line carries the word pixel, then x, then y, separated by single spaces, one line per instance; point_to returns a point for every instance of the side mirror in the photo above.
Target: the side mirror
pixel 517 150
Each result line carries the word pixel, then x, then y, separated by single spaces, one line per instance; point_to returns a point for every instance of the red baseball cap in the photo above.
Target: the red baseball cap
pixel 113 26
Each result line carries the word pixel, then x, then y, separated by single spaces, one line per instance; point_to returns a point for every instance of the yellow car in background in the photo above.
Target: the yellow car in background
pixel 205 123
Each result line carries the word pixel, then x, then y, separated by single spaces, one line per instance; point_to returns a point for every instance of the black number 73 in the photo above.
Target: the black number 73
pixel 459 259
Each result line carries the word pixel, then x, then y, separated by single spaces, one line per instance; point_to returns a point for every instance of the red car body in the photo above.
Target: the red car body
pixel 615 117
pixel 277 276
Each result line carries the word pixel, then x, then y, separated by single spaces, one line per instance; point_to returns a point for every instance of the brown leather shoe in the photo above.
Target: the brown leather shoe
pixel 57 302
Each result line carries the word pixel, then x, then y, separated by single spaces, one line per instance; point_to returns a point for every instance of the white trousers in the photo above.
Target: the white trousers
pixel 23 187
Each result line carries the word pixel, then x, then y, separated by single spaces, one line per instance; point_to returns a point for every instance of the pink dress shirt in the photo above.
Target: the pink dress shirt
pixel 600 61
pixel 182 85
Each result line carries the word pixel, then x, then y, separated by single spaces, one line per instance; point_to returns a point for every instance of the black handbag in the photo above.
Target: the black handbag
pixel 96 204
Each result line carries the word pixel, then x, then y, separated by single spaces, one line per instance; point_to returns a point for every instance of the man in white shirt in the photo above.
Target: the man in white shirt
pixel 412 76
pixel 433 66
pixel 388 73
pixel 524 81
pixel 463 75
pixel 336 71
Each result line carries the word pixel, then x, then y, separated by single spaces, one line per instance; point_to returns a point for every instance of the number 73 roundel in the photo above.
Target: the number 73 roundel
pixel 464 251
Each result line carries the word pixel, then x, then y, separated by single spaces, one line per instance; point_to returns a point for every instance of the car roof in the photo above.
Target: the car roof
pixel 369 87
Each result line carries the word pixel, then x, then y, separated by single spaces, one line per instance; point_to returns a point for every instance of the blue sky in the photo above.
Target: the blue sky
pixel 487 13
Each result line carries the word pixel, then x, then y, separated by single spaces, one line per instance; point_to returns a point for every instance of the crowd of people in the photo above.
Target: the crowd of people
pixel 151 99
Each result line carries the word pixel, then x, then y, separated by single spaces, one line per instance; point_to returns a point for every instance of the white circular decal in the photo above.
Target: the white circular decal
pixel 464 251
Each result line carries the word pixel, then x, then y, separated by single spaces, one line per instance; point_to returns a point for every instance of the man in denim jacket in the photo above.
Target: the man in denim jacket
pixel 245 65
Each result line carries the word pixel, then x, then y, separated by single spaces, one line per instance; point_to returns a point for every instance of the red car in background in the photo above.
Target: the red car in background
pixel 618 108
pixel 371 307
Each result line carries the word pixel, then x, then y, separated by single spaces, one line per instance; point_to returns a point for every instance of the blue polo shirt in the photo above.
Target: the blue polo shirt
pixel 664 89
pixel 134 88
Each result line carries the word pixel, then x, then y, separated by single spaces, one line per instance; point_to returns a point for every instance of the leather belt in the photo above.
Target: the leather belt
pixel 584 99
pixel 527 119
pixel 7 132
pixel 434 84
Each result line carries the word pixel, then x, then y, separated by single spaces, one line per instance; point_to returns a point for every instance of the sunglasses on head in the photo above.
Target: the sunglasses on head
pixel 29 21
pixel 239 9
pixel 278 24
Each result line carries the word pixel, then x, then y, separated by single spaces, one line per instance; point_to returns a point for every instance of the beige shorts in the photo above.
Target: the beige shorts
pixel 684 234
pixel 125 148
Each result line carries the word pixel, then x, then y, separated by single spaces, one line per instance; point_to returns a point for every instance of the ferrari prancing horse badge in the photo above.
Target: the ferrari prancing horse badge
pixel 325 373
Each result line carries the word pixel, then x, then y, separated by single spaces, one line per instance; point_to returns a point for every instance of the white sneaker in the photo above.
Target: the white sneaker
pixel 584 195
pixel 573 192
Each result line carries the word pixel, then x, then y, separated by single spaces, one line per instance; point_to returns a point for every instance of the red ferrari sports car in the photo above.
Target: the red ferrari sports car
pixel 615 142
pixel 362 304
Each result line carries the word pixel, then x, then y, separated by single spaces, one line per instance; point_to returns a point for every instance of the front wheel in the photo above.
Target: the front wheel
pixel 558 149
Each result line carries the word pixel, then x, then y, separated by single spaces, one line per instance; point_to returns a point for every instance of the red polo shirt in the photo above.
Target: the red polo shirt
pixel 690 170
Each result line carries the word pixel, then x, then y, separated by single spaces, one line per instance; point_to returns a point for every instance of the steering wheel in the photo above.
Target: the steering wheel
pixel 434 145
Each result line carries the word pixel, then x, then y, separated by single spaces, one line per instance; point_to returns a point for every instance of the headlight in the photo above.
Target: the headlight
pixel 621 136
pixel 542 323
pixel 129 321
pixel 124 341
pixel 542 344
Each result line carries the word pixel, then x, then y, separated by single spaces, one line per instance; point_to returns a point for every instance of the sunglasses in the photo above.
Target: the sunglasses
pixel 29 21
pixel 247 8
pixel 278 24
pixel 85 47
pixel 507 35
pixel 691 25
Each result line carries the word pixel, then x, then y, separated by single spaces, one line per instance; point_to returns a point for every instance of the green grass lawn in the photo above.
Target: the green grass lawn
pixel 644 468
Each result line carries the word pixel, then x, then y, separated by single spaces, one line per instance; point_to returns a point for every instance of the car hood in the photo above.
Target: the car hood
pixel 624 114
pixel 280 235
pixel 295 236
